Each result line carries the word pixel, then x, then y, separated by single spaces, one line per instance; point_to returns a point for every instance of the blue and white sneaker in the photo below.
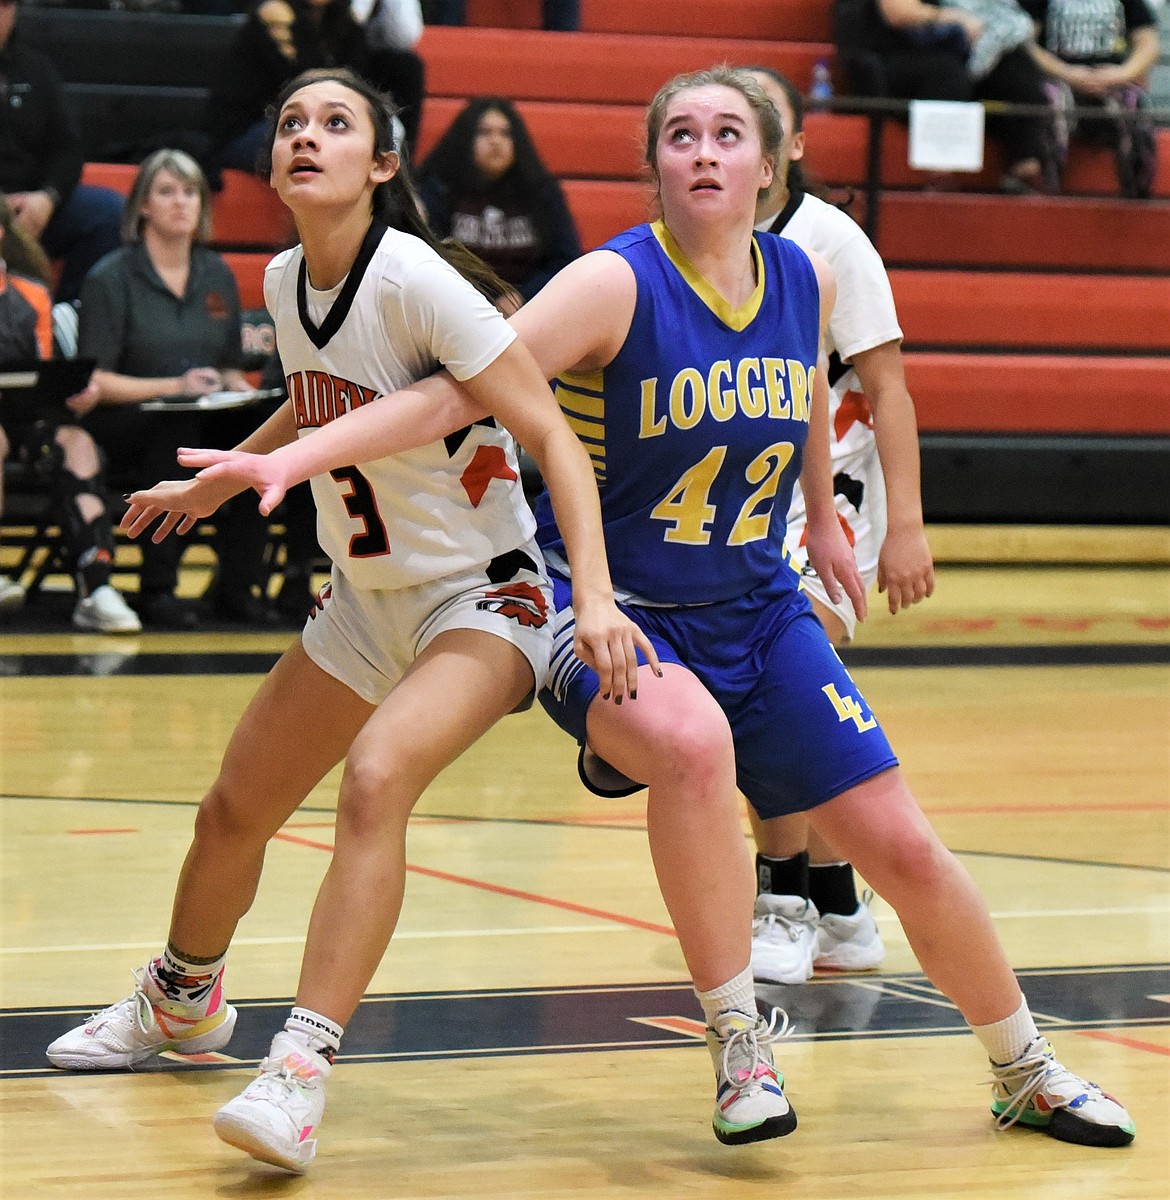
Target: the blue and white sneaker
pixel 750 1105
pixel 1037 1091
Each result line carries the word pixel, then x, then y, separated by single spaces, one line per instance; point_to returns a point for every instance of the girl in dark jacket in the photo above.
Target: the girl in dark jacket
pixel 484 185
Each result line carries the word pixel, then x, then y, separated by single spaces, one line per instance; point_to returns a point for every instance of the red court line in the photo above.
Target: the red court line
pixel 1119 1039
pixel 500 890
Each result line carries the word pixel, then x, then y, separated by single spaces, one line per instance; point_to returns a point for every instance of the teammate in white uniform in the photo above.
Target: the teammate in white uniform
pixel 807 910
pixel 435 623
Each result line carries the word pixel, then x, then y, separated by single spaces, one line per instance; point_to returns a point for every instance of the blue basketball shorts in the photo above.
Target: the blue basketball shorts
pixel 802 730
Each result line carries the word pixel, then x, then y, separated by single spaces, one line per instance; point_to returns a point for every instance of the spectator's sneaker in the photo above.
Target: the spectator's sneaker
pixel 274 1118
pixel 750 1105
pixel 1036 1090
pixel 784 939
pixel 104 611
pixel 11 592
pixel 849 943
pixel 141 1026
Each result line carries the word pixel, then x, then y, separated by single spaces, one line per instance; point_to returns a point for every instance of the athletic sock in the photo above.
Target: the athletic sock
pixel 320 1034
pixel 188 981
pixel 783 876
pixel 1006 1040
pixel 738 993
pixel 831 888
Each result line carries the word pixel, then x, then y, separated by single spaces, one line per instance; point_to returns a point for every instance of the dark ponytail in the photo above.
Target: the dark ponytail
pixel 395 203
pixel 797 179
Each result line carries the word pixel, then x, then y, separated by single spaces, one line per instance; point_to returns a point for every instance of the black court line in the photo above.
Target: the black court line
pixel 506 1022
pixel 569 823
pixel 122 663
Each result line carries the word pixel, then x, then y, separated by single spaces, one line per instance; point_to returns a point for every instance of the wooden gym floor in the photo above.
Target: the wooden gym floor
pixel 530 1032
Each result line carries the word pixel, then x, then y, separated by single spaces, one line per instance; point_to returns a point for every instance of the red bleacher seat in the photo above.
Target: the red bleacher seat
pixel 1039 393
pixel 1054 232
pixel 247 212
pixel 248 268
pixel 787 20
pixel 1057 311
pixel 597 67
pixel 780 20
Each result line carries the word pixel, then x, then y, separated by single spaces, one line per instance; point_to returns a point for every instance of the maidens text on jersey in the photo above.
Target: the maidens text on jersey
pixel 318 397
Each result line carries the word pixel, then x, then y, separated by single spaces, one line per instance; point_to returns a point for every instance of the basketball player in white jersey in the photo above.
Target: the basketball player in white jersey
pixel 435 624
pixel 807 910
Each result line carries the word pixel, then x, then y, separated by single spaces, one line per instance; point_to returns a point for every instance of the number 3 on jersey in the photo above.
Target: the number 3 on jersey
pixel 362 505
pixel 690 515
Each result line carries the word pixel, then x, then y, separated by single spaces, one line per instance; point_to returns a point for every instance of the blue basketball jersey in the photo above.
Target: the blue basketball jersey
pixel 697 427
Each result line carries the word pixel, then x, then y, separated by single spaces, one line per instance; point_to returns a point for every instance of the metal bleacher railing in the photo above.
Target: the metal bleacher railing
pixel 881 109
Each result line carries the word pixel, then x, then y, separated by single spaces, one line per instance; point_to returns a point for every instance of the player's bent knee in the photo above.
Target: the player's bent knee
pixel 918 867
pixel 375 796
pixel 225 816
pixel 697 749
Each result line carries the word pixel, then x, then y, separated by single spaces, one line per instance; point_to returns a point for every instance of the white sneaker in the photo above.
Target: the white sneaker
pixel 849 943
pixel 784 939
pixel 750 1105
pixel 274 1118
pixel 105 611
pixel 11 592
pixel 1038 1091
pixel 141 1026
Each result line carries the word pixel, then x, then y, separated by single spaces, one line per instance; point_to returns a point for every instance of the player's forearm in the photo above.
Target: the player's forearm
pixel 279 430
pixel 895 430
pixel 816 470
pixel 415 416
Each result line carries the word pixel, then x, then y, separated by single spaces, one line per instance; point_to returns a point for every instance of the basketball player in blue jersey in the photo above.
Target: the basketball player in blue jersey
pixel 435 623
pixel 686 354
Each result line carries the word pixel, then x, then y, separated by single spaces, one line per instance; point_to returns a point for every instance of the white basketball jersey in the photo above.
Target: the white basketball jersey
pixel 863 316
pixel 399 315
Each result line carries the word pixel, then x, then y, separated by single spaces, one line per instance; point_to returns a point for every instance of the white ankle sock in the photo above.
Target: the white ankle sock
pixel 317 1032
pixel 1006 1040
pixel 186 982
pixel 738 993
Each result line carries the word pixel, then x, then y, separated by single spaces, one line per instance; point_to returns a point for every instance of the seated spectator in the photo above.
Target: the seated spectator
pixel 484 185
pixel 41 160
pixel 162 317
pixel 393 29
pixel 1099 54
pixel 282 38
pixel 562 15
pixel 62 453
pixel 919 50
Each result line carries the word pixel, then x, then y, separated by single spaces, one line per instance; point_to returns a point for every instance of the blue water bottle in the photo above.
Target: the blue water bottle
pixel 821 91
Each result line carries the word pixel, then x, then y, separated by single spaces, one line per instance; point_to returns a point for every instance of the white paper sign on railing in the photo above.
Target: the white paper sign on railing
pixel 946 135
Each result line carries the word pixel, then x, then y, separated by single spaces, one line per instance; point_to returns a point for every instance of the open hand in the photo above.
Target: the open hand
pixel 180 503
pixel 262 472
pixel 606 639
pixel 905 568
pixel 832 557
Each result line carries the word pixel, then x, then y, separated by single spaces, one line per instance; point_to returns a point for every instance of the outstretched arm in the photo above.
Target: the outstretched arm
pixel 905 566
pixel 579 320
pixel 829 551
pixel 415 416
pixel 180 503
